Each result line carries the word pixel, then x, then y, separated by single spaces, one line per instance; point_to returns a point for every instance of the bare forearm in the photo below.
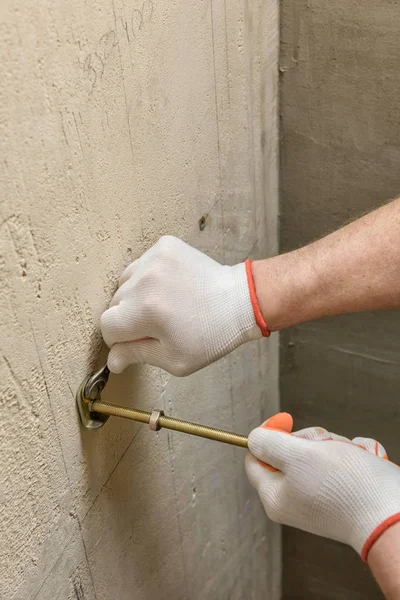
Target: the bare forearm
pixel 356 268
pixel 384 562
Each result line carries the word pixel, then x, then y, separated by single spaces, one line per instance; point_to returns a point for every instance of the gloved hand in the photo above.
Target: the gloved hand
pixel 178 309
pixel 324 483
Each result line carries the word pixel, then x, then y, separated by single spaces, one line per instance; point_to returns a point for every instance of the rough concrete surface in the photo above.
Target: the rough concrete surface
pixel 120 122
pixel 340 152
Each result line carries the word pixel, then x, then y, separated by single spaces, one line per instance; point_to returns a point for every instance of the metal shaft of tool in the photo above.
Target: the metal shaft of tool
pixel 211 433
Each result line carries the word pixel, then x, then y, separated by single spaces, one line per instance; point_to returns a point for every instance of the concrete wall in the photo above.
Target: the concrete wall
pixel 340 151
pixel 120 122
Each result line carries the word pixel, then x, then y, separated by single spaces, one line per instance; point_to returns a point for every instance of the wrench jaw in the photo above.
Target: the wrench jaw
pixel 90 390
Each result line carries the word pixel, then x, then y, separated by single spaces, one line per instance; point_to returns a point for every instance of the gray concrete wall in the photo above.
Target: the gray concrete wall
pixel 120 122
pixel 340 157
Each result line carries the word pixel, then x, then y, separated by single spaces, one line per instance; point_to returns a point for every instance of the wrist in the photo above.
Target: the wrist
pixel 286 288
pixel 384 561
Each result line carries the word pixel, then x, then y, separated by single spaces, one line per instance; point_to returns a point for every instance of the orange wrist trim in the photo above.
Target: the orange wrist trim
pixel 376 534
pixel 254 302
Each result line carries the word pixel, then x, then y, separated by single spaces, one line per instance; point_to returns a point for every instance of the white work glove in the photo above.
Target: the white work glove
pixel 323 483
pixel 178 309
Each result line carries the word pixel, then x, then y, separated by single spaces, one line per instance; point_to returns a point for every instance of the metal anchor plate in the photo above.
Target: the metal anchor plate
pixel 89 391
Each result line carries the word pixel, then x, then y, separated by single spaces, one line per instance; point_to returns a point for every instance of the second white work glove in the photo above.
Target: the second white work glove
pixel 178 309
pixel 323 483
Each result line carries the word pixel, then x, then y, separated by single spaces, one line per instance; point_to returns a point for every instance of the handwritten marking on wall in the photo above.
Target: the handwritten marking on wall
pixel 95 62
pixel 141 17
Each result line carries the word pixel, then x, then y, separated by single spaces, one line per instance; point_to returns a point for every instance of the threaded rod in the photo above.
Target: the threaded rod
pixel 211 433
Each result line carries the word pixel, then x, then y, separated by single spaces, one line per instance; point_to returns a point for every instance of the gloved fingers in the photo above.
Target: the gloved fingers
pixel 372 446
pixel 121 323
pixel 312 433
pixel 129 353
pixel 125 290
pixel 258 475
pixel 128 272
pixel 275 448
pixel 319 434
pixel 339 438
pixel 116 299
pixel 281 422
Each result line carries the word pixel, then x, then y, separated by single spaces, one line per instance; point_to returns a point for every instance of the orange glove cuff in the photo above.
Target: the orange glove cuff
pixel 254 301
pixel 376 534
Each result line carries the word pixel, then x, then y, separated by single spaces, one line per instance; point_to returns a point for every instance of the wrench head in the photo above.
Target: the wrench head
pixel 89 390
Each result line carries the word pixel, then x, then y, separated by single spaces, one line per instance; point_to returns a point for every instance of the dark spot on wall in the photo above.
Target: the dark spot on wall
pixel 263 136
